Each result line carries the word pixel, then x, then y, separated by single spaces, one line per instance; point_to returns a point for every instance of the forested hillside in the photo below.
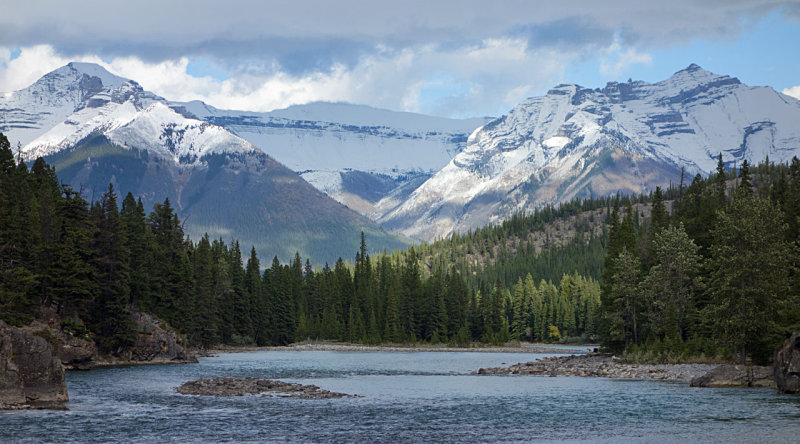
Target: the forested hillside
pixel 718 275
pixel 704 268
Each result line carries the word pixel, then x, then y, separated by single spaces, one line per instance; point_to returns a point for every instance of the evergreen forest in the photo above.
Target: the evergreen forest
pixel 704 268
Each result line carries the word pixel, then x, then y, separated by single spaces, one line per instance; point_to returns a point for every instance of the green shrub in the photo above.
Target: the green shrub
pixel 75 328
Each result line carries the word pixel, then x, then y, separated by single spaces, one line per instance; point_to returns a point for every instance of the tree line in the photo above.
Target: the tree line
pixel 94 262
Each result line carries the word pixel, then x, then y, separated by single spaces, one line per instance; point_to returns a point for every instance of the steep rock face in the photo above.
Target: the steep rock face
pixel 30 373
pixel 787 365
pixel 576 142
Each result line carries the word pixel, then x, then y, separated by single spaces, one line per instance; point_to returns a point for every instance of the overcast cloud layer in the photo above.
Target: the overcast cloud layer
pixel 454 58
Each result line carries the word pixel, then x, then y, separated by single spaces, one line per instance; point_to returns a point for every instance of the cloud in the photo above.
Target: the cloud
pixel 618 59
pixel 31 64
pixel 417 55
pixel 491 75
pixel 793 91
pixel 317 34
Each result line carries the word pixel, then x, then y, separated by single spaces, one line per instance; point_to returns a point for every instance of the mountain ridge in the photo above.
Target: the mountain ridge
pixel 581 142
pixel 218 182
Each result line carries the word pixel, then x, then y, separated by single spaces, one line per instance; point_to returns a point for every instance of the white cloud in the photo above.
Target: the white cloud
pixel 493 75
pixel 793 91
pixel 31 64
pixel 618 59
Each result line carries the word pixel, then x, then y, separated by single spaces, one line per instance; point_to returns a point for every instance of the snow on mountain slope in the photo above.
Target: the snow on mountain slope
pixel 28 113
pixel 332 145
pixel 578 142
pixel 90 101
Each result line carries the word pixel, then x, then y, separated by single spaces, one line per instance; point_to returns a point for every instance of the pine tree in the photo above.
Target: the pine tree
pixel 721 184
pixel 745 180
pixel 623 307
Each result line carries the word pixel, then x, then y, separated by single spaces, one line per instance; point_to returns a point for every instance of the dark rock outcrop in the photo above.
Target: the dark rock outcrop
pixel 31 375
pixel 253 386
pixel 157 343
pixel 729 375
pixel 787 365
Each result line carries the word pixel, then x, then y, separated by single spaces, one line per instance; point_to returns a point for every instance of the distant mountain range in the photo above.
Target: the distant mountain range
pixel 369 159
pixel 240 174
pixel 578 142
pixel 98 128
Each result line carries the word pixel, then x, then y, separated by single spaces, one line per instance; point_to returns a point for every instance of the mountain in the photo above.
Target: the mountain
pixel 578 142
pixel 369 159
pixel 97 128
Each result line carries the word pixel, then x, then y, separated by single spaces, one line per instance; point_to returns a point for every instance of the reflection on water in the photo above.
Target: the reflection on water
pixel 407 396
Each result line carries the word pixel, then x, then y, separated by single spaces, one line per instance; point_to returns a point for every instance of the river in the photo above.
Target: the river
pixel 407 397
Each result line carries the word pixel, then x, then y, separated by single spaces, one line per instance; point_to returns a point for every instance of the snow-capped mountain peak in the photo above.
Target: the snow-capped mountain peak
pixel 81 99
pixel 581 142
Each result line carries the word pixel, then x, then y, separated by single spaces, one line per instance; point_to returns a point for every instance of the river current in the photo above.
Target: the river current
pixel 406 397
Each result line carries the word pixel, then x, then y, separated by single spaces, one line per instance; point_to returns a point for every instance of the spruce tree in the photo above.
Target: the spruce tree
pixel 110 319
pixel 749 276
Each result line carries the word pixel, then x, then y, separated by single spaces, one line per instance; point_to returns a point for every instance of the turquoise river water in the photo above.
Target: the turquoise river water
pixel 407 397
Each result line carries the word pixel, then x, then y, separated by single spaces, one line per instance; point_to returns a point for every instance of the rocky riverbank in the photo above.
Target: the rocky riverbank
pixel 253 386
pixel 156 343
pixel 729 375
pixel 33 358
pixel 604 366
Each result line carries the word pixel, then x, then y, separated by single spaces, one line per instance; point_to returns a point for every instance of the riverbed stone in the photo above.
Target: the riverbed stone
pixel 787 365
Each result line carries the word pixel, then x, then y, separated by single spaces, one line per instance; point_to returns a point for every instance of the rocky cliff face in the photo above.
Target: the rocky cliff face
pixel 31 375
pixel 787 365
pixel 157 344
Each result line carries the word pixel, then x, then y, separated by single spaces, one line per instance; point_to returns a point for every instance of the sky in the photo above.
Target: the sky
pixel 462 58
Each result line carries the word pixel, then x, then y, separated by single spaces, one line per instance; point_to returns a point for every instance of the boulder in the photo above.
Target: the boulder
pixel 787 365
pixel 31 375
pixel 736 376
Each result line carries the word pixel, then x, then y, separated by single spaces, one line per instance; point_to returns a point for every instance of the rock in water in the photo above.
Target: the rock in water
pixel 30 373
pixel 736 376
pixel 787 365
pixel 253 386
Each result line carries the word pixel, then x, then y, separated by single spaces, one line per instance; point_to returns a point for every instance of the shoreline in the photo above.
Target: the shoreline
pixel 598 365
pixel 348 347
